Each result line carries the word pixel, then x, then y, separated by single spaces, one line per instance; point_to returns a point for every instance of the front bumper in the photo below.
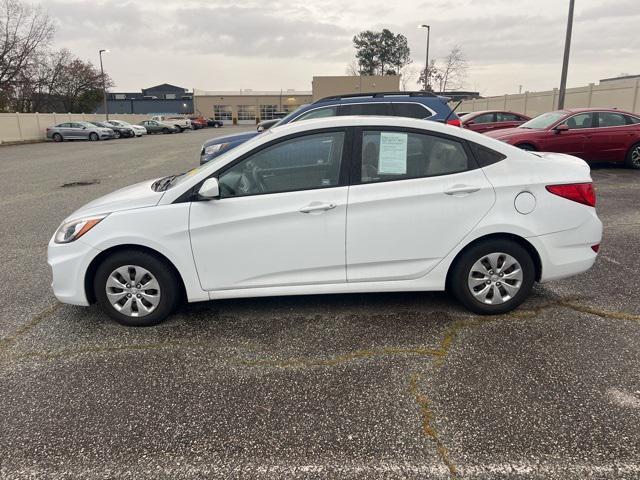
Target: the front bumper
pixel 69 263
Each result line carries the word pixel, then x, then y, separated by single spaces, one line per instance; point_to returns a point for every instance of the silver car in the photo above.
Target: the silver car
pixel 78 131
pixel 138 129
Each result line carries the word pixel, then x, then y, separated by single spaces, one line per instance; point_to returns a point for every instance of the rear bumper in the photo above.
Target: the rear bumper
pixel 568 253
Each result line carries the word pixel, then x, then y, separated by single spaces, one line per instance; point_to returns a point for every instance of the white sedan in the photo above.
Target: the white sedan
pixel 337 205
pixel 138 129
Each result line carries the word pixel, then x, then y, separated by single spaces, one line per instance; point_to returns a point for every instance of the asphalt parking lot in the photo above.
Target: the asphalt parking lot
pixel 353 386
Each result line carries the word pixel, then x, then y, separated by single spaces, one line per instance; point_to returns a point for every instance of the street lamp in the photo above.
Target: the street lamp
pixel 104 84
pixel 565 60
pixel 426 68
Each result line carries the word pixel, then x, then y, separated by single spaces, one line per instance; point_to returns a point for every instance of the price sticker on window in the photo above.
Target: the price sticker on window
pixel 393 153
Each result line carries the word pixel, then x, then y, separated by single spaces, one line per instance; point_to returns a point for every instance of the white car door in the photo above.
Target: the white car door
pixel 417 197
pixel 280 218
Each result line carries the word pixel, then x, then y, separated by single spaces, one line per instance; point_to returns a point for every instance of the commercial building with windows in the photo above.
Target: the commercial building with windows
pixel 250 107
pixel 164 98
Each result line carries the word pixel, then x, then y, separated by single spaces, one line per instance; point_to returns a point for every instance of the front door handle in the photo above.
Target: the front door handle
pixel 459 189
pixel 317 207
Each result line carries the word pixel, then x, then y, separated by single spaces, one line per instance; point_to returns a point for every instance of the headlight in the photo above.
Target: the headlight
pixel 215 148
pixel 73 230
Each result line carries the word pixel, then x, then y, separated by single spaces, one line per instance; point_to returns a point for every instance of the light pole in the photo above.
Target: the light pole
pixel 104 84
pixel 565 60
pixel 426 68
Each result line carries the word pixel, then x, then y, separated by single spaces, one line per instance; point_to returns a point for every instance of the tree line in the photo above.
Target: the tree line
pixel 33 76
pixel 386 53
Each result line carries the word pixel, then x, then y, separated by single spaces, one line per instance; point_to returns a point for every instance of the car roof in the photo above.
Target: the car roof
pixel 375 97
pixel 595 109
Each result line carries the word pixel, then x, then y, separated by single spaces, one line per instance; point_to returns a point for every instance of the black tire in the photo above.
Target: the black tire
pixel 461 272
pixel 93 136
pixel 528 147
pixel 180 129
pixel 117 134
pixel 159 268
pixel 632 160
pixel 166 130
pixel 57 137
pixel 215 125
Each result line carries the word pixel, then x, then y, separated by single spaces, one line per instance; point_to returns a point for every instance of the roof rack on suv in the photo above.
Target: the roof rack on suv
pixel 377 95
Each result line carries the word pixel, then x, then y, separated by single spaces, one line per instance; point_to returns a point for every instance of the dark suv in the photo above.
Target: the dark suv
pixel 423 105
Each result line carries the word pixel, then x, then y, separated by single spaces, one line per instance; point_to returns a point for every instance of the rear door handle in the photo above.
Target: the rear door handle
pixel 317 207
pixel 459 189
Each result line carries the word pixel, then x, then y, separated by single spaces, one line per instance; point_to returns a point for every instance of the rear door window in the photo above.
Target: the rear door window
pixel 484 118
pixel 507 117
pixel 610 119
pixel 383 109
pixel 410 110
pixel 397 155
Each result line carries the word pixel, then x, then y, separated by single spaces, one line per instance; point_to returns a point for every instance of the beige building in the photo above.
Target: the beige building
pixel 251 106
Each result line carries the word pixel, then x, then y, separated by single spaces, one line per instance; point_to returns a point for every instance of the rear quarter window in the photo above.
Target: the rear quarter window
pixel 485 156
pixel 411 110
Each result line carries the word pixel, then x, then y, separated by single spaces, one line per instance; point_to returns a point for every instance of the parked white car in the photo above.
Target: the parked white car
pixel 181 123
pixel 138 129
pixel 336 205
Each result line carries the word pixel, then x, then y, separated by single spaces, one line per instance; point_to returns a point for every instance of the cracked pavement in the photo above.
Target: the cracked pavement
pixel 398 385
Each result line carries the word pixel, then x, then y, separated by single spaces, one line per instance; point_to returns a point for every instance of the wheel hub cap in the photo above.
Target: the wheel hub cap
pixel 495 278
pixel 133 291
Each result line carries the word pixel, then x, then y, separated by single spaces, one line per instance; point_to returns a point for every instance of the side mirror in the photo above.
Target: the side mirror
pixel 209 189
pixel 561 128
pixel 260 128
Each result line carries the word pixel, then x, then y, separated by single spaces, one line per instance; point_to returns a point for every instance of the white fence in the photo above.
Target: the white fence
pixel 21 127
pixel 622 95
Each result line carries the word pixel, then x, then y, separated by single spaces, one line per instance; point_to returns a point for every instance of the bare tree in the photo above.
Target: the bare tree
pixel 24 32
pixel 450 74
pixel 352 69
pixel 407 75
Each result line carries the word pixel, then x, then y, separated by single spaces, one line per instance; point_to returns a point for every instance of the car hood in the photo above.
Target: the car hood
pixel 510 132
pixel 139 195
pixel 236 138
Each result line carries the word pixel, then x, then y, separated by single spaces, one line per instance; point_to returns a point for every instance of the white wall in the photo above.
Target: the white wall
pixel 623 95
pixel 17 127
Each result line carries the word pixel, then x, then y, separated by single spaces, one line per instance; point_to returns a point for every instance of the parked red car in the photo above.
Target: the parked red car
pixel 593 134
pixel 198 122
pixel 487 120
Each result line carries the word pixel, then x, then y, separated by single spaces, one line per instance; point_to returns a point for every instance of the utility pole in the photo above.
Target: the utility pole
pixel 426 68
pixel 565 61
pixel 104 85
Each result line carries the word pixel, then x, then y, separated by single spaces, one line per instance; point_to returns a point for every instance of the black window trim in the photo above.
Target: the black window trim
pixel 355 177
pixel 343 177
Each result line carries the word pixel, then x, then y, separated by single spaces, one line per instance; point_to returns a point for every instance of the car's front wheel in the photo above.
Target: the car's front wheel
pixel 117 134
pixel 94 137
pixel 136 288
pixel 493 276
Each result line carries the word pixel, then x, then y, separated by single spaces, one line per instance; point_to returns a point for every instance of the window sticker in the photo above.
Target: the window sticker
pixel 393 153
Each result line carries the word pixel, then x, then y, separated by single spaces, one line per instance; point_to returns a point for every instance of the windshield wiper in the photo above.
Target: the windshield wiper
pixel 163 183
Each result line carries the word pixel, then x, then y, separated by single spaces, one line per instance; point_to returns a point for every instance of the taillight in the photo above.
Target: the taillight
pixel 577 192
pixel 455 123
pixel 596 247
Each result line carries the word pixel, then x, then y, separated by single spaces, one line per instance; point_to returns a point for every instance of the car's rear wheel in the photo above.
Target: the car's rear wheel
pixel 633 157
pixel 136 288
pixel 493 276
pixel 57 137
pixel 527 146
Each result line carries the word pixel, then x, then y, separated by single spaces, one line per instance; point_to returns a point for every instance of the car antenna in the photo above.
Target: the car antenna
pixel 451 113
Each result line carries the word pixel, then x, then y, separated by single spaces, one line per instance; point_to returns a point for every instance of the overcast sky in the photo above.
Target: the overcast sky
pixel 268 45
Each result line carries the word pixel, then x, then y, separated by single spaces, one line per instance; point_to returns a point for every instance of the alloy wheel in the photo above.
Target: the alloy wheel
pixel 635 156
pixel 133 291
pixel 495 278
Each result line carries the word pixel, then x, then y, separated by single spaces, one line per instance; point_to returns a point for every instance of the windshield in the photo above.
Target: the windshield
pixel 119 122
pixel 545 120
